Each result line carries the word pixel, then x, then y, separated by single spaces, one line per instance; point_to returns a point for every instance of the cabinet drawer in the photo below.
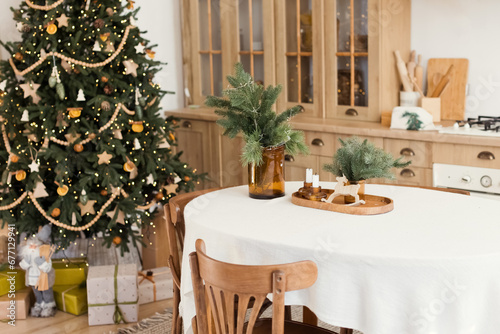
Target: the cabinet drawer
pixel 320 143
pixel 467 155
pixel 419 152
pixel 414 176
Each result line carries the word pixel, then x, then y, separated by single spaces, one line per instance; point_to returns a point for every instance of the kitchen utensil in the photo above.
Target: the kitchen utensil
pixel 453 98
pixel 419 73
pixel 403 72
pixel 411 66
pixel 443 82
pixel 417 87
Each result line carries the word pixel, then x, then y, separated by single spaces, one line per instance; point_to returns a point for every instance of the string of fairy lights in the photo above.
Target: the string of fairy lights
pixel 70 61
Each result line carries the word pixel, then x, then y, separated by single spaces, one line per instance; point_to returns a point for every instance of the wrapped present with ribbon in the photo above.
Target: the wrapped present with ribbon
pixel 71 298
pixel 70 271
pixel 18 310
pixel 11 280
pixel 112 294
pixel 155 284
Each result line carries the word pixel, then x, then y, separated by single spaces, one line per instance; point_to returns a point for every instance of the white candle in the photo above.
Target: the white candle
pixel 315 179
pixel 309 175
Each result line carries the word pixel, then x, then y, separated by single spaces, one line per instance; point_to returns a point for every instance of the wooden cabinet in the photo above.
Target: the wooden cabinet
pixel 467 155
pixel 295 167
pixel 333 57
pixel 194 139
pixel 360 37
pixel 231 172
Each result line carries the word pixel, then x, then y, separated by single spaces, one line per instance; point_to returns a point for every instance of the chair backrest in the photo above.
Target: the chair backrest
pixel 230 288
pixel 174 217
pixel 448 190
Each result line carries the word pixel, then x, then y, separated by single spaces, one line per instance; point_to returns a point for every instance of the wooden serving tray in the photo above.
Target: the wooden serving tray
pixel 374 204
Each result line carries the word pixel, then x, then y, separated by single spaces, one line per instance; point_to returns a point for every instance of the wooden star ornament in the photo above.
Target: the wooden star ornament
pixel 104 158
pixel 34 166
pixel 70 137
pixel 62 20
pixel 30 90
pixel 130 67
pixel 171 188
pixel 139 48
pixel 120 216
pixel 87 208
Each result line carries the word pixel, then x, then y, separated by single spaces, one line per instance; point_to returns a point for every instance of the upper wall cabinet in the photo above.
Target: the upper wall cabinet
pixel 219 33
pixel 333 57
pixel 360 39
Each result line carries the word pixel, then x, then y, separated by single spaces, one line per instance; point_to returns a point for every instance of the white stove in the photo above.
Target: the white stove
pixel 484 182
pixel 488 126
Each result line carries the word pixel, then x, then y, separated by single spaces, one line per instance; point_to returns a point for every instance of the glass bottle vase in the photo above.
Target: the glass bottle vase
pixel 267 180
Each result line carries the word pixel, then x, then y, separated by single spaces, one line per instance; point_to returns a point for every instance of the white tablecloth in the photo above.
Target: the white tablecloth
pixel 432 265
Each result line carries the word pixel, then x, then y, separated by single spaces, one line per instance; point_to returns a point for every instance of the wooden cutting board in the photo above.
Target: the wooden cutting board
pixel 453 97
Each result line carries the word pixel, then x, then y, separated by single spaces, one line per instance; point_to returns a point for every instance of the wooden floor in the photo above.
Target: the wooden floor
pixel 68 323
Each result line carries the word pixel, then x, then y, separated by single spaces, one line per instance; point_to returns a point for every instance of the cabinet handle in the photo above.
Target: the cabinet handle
pixel 317 142
pixel 289 158
pixel 408 152
pixel 351 112
pixel 407 173
pixel 187 124
pixel 486 155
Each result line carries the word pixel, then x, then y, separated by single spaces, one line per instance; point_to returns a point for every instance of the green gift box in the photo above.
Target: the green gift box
pixel 72 272
pixel 11 280
pixel 71 298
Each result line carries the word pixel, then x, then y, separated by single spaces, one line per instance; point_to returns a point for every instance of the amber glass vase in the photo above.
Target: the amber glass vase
pixel 361 191
pixel 267 180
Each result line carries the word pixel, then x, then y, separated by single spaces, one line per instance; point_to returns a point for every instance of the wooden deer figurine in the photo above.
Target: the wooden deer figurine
pixel 342 190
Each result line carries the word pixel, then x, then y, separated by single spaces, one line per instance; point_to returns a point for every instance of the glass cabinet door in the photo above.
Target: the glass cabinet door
pixel 299 53
pixel 351 52
pixel 210 48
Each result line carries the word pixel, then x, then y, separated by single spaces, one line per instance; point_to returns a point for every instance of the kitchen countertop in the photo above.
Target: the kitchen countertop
pixel 371 129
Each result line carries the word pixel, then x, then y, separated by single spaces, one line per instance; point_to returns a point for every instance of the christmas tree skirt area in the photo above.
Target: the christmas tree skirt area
pixel 67 323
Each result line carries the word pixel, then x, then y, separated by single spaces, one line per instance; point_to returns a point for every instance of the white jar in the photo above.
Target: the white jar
pixel 409 99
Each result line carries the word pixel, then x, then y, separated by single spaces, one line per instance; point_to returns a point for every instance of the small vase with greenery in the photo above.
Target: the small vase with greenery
pixel 361 160
pixel 247 107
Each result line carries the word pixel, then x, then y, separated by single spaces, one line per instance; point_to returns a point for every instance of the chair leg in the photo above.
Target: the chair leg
pixel 288 312
pixel 175 310
pixel 346 331
pixel 309 317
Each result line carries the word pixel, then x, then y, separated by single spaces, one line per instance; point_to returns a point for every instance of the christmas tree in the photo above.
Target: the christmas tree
pixel 83 145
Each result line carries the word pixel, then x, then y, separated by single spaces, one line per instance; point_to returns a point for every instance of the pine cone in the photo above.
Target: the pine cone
pixel 108 90
pixel 99 24
pixel 105 105
pixel 26 28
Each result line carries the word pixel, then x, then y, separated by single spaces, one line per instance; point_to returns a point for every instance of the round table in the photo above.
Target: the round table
pixel 432 265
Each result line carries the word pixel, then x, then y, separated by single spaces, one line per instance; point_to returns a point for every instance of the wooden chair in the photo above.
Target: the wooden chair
pixel 229 289
pixel 174 217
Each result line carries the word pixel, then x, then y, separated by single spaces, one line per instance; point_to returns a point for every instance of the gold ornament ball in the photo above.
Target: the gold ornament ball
pixel 104 192
pixel 78 148
pixel 104 79
pixel 20 175
pixel 14 158
pixel 62 190
pixel 137 127
pixel 75 112
pixel 159 196
pixel 117 240
pixel 128 167
pixel 187 178
pixel 18 56
pixel 51 29
pixel 56 212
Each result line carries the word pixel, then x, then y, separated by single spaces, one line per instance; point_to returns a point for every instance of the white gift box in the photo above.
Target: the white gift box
pixel 112 294
pixel 155 284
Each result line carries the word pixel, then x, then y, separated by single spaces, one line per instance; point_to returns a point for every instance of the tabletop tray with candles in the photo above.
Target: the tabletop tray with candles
pixel 373 205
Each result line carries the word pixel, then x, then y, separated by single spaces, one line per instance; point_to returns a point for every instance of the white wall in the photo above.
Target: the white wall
pixel 463 29
pixel 161 20
pixel 440 28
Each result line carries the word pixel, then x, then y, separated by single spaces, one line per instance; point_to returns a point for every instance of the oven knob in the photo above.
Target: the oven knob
pixel 466 179
pixel 486 181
